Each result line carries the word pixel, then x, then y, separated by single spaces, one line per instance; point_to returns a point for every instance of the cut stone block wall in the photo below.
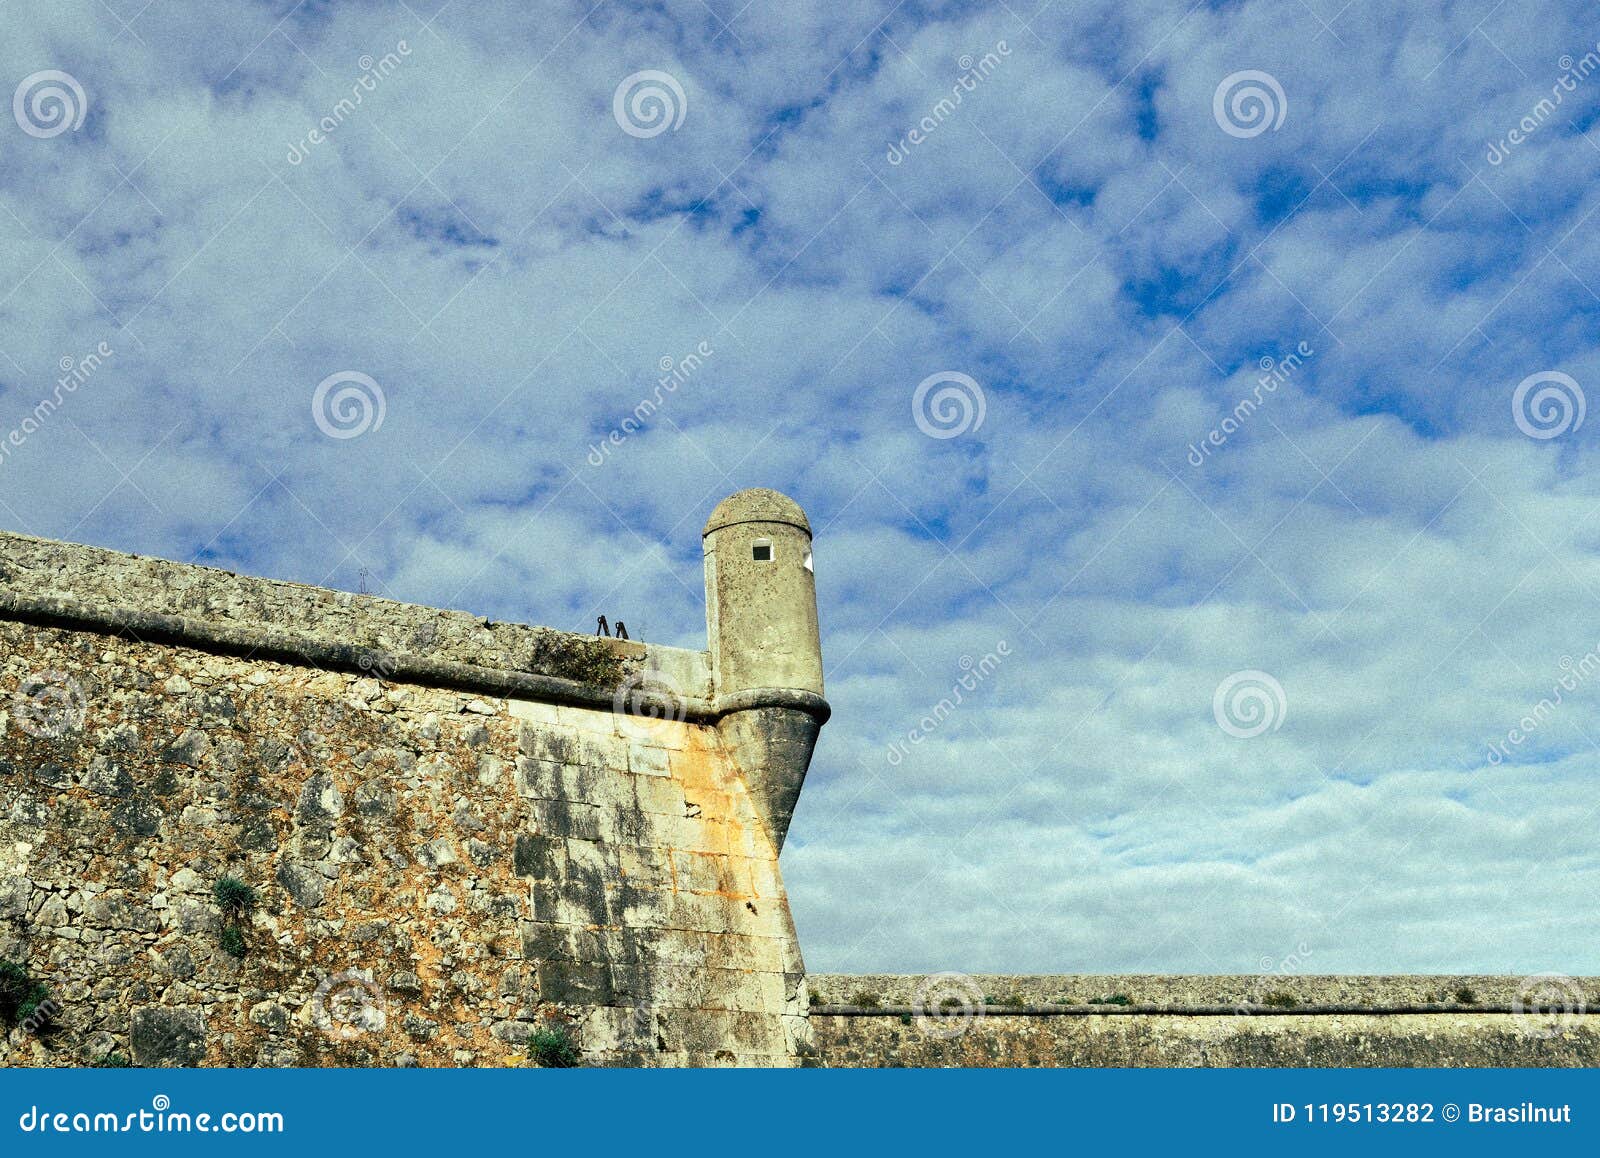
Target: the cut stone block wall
pixel 1188 1021
pixel 1175 1040
pixel 440 870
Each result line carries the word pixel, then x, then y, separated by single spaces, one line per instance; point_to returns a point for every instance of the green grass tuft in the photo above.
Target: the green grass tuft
pixel 23 999
pixel 233 896
pixel 232 941
pixel 552 1048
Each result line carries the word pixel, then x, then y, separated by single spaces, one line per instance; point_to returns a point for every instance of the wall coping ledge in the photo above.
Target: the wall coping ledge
pixel 1170 1009
pixel 635 695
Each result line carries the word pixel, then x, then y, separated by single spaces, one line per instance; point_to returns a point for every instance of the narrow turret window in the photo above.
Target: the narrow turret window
pixel 808 562
pixel 761 550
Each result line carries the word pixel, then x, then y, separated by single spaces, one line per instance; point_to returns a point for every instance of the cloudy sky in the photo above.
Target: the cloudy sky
pixel 1216 369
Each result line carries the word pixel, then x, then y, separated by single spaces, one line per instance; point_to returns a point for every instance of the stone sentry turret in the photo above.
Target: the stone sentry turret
pixel 764 646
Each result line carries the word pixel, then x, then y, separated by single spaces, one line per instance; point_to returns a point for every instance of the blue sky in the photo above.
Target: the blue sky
pixel 1279 317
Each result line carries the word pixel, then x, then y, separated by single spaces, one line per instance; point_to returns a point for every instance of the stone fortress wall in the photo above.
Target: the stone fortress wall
pixel 459 833
pixel 1189 1021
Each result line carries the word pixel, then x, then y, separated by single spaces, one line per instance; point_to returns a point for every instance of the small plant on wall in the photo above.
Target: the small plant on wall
pixel 23 1000
pixel 552 1048
pixel 235 899
pixel 232 941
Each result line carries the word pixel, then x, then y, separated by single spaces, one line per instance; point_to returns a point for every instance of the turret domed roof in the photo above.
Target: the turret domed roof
pixel 757 505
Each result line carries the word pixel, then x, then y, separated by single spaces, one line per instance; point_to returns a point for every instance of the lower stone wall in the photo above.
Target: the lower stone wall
pixel 436 873
pixel 1176 1040
pixel 1182 1021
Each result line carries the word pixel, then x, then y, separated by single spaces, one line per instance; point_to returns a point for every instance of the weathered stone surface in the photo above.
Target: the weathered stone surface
pixel 1270 1019
pixel 1179 990
pixel 1175 1040
pixel 374 631
pixel 168 1037
pixel 437 871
